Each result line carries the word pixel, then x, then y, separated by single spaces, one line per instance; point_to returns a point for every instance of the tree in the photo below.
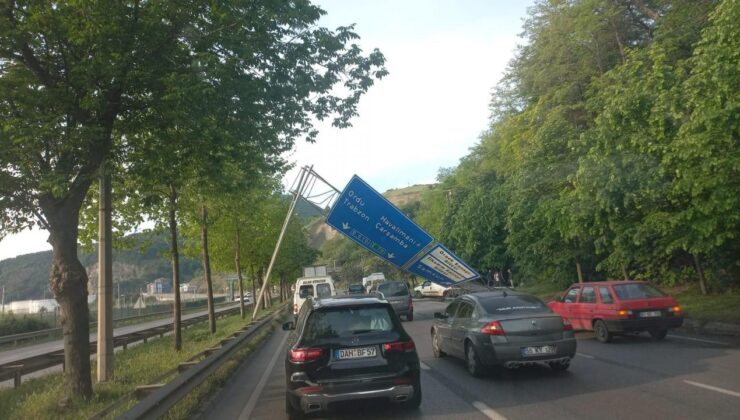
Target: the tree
pixel 78 79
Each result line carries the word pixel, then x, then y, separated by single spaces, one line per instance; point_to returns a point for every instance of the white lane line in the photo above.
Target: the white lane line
pixel 587 356
pixel 701 340
pixel 714 388
pixel 424 366
pixel 247 411
pixel 488 411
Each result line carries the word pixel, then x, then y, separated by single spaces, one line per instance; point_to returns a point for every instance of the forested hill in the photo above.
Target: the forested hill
pixel 27 276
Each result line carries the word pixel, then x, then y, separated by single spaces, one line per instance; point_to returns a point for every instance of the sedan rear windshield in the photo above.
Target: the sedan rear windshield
pixel 393 289
pixel 513 305
pixel 331 323
pixel 637 291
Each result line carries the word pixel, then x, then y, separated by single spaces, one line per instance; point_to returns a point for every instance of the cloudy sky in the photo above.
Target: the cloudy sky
pixel 444 56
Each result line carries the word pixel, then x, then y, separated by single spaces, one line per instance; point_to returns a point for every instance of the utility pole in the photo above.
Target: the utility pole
pixel 105 280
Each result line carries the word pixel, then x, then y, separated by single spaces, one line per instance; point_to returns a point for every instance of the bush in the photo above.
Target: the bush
pixel 14 324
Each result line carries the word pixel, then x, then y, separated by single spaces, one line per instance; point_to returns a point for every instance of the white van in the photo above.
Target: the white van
pixel 316 287
pixel 372 280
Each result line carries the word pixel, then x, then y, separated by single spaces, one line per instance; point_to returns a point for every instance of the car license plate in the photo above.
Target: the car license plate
pixel 649 314
pixel 356 353
pixel 537 350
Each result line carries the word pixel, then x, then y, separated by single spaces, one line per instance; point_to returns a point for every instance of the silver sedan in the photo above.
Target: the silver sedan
pixel 502 328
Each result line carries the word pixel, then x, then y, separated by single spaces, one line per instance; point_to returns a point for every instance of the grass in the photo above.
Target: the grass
pixel 722 307
pixel 39 398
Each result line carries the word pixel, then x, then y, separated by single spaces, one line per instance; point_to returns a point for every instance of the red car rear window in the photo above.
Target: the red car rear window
pixel 637 291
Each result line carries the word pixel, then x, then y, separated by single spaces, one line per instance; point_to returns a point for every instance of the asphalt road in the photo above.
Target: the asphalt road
pixel 682 377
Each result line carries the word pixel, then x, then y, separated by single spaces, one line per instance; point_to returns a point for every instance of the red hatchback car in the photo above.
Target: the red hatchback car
pixel 614 307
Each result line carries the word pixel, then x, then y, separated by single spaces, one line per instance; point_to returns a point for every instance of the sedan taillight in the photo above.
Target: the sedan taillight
pixel 492 328
pixel 305 355
pixel 401 346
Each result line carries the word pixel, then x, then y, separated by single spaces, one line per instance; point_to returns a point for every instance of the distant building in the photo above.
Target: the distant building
pixel 158 286
pixel 31 306
pixel 188 288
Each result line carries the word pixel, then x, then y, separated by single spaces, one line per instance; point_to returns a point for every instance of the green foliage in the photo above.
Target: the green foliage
pixel 15 324
pixel 613 148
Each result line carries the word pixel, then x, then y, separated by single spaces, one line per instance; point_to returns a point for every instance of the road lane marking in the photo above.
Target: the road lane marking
pixel 701 340
pixel 587 356
pixel 424 366
pixel 247 411
pixel 714 388
pixel 488 411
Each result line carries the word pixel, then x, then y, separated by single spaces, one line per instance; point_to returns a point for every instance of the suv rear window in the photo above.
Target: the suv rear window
pixel 513 305
pixel 323 290
pixel 331 323
pixel 393 289
pixel 637 291
pixel 302 290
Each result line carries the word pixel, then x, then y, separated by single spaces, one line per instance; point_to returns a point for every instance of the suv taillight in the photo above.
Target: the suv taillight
pixel 295 308
pixel 399 346
pixel 567 326
pixel 305 355
pixel 492 328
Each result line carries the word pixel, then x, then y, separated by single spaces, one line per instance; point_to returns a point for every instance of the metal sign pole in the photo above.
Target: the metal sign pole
pixel 302 183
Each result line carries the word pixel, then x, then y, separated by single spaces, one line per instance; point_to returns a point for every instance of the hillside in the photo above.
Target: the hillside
pixel 27 276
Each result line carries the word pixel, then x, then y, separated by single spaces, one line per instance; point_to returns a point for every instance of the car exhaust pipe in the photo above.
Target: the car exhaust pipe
pixel 314 407
pixel 401 398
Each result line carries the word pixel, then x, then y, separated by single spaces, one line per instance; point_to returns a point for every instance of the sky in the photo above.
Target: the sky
pixel 443 57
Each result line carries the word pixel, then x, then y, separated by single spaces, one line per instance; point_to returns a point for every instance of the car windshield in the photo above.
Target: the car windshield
pixel 333 323
pixel 393 289
pixel 637 291
pixel 513 305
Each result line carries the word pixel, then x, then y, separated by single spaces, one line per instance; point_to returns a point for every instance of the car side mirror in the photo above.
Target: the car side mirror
pixel 288 326
pixel 440 315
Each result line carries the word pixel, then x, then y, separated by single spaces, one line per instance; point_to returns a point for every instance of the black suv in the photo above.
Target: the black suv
pixel 347 348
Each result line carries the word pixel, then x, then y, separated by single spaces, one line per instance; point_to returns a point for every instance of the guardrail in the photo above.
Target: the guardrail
pixel 19 367
pixel 161 398
pixel 33 335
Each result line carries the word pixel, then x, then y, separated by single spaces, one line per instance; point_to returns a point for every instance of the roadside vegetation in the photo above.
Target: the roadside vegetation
pixel 141 364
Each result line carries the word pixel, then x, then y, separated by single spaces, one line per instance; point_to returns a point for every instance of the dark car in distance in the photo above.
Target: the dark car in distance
pixel 502 328
pixel 347 348
pixel 356 289
pixel 399 296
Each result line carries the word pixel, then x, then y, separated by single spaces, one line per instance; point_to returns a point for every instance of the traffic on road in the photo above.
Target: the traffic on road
pixel 635 376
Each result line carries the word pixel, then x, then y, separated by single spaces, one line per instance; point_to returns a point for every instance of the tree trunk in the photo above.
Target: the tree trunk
pixel 207 269
pixel 700 272
pixel 578 269
pixel 68 280
pixel 254 286
pixel 175 268
pixel 238 262
pixel 624 272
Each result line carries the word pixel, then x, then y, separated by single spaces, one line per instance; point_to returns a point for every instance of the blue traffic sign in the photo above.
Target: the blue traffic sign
pixel 441 266
pixel 368 218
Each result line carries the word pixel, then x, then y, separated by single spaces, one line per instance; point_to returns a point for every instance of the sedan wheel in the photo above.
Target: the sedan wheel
pixel 559 366
pixel 602 332
pixel 658 334
pixel 475 367
pixel 436 349
pixel 417 294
